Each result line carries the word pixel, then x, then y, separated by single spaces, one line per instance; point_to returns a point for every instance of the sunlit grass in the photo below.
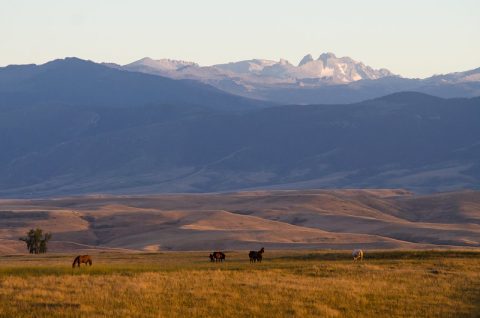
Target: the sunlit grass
pixel 286 284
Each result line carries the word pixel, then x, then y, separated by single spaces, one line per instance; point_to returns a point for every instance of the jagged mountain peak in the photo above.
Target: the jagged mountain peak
pixel 254 77
pixel 326 56
pixel 327 69
pixel 306 59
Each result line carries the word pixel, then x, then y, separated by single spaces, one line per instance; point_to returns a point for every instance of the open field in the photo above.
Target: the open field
pixel 300 219
pixel 286 284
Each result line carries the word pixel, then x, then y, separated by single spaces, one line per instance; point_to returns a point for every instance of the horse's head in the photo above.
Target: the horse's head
pixel 261 250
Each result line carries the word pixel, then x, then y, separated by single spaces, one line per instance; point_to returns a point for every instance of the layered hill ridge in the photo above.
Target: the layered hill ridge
pixel 74 81
pixel 328 219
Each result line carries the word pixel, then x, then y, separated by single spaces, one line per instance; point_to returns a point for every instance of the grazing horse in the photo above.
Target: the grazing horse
pixel 256 256
pixel 217 257
pixel 357 255
pixel 86 259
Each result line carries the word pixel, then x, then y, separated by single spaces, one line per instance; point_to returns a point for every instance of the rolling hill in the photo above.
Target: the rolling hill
pixel 332 219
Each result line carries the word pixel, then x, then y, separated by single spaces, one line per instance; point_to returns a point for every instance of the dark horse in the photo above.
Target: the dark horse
pixel 86 259
pixel 217 257
pixel 256 256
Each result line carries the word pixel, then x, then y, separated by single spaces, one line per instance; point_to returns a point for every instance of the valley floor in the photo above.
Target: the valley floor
pixel 285 284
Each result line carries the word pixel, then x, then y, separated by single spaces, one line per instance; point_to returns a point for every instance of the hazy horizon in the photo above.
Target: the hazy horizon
pixel 409 38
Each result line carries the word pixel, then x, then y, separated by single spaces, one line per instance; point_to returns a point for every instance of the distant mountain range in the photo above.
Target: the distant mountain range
pixel 328 69
pixel 328 79
pixel 72 126
pixel 73 81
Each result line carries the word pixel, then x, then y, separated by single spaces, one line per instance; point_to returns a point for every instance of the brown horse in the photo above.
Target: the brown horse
pixel 217 257
pixel 86 259
pixel 256 256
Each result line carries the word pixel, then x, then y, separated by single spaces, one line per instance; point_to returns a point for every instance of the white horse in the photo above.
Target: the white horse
pixel 357 255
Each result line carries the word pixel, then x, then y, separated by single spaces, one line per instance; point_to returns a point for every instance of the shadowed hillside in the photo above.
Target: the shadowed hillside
pixel 76 127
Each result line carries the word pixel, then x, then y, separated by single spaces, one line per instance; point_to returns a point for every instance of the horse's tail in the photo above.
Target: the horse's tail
pixel 90 262
pixel 76 260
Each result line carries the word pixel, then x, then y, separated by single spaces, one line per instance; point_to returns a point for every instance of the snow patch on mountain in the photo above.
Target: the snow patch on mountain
pixel 328 69
pixel 162 64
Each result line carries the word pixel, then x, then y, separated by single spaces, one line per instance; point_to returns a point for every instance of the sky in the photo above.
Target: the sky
pixel 413 38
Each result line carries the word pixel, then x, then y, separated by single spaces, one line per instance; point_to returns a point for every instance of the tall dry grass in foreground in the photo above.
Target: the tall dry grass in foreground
pixel 286 284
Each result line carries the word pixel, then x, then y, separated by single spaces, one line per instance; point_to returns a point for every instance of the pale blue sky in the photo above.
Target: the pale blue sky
pixel 412 38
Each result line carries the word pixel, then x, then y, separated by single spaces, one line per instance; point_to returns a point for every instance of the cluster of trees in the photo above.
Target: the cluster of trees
pixel 36 241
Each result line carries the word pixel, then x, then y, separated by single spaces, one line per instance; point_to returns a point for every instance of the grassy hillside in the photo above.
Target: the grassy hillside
pixel 329 219
pixel 286 284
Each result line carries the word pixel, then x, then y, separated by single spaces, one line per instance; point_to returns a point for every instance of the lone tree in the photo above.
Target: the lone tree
pixel 36 241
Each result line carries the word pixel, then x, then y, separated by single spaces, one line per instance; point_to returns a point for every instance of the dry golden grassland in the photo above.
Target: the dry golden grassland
pixel 285 284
